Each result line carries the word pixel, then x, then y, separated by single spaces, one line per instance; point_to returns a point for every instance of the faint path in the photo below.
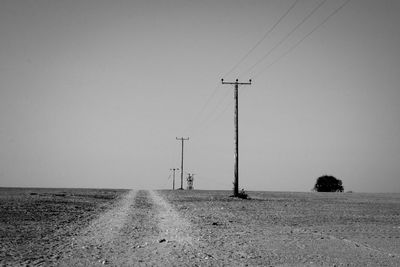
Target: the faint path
pixel 175 242
pixel 141 230
pixel 100 236
pixel 183 244
pixel 108 225
pixel 173 228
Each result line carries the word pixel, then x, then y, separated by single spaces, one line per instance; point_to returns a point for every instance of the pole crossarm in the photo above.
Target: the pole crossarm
pixel 236 154
pixel 237 82
pixel 182 138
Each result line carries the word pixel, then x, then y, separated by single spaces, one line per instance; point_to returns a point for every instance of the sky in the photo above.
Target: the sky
pixel 93 93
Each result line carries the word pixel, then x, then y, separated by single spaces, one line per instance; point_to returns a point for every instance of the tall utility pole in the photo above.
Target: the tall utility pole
pixel 236 154
pixel 173 177
pixel 182 139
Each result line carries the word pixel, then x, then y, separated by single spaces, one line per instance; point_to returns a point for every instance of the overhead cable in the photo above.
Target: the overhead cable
pixel 286 37
pixel 262 39
pixel 305 37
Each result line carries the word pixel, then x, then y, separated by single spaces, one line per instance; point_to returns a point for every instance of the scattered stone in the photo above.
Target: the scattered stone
pixel 40 261
pixel 208 256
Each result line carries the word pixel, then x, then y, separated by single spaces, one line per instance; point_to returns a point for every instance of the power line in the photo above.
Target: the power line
pixel 262 39
pixel 201 111
pixel 286 37
pixel 222 112
pixel 305 37
pixel 192 125
pixel 218 113
pixel 228 105
pixel 212 113
pixel 198 115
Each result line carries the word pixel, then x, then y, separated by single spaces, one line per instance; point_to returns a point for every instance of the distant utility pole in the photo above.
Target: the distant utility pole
pixel 236 155
pixel 182 139
pixel 173 177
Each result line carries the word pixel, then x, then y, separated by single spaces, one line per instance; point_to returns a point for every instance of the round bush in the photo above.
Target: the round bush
pixel 328 183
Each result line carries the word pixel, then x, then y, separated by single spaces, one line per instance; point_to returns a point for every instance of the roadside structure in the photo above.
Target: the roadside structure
pixel 189 181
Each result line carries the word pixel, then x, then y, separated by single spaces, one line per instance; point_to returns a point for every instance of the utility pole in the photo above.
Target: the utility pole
pixel 236 154
pixel 173 177
pixel 182 139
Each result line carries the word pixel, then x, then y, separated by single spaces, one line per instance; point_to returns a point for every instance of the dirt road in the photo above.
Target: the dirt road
pixel 142 229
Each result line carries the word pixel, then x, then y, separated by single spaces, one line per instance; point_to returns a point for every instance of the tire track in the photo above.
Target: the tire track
pixel 143 229
pixel 172 244
pixel 173 228
pixel 179 241
pixel 101 237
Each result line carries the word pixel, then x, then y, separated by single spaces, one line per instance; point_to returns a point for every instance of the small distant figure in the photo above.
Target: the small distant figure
pixel 189 181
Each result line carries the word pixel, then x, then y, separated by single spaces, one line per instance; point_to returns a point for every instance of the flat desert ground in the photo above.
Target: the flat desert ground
pixel 89 227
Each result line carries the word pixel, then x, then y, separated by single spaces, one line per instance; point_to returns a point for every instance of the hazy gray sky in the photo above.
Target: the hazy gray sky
pixel 93 93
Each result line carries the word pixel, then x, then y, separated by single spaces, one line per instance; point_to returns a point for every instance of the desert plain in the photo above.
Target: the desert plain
pixel 97 227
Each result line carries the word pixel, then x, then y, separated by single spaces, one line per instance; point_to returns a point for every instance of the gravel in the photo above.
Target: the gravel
pixel 93 227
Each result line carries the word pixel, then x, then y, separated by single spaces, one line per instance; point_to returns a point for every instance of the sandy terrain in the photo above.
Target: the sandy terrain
pixel 36 224
pixel 65 227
